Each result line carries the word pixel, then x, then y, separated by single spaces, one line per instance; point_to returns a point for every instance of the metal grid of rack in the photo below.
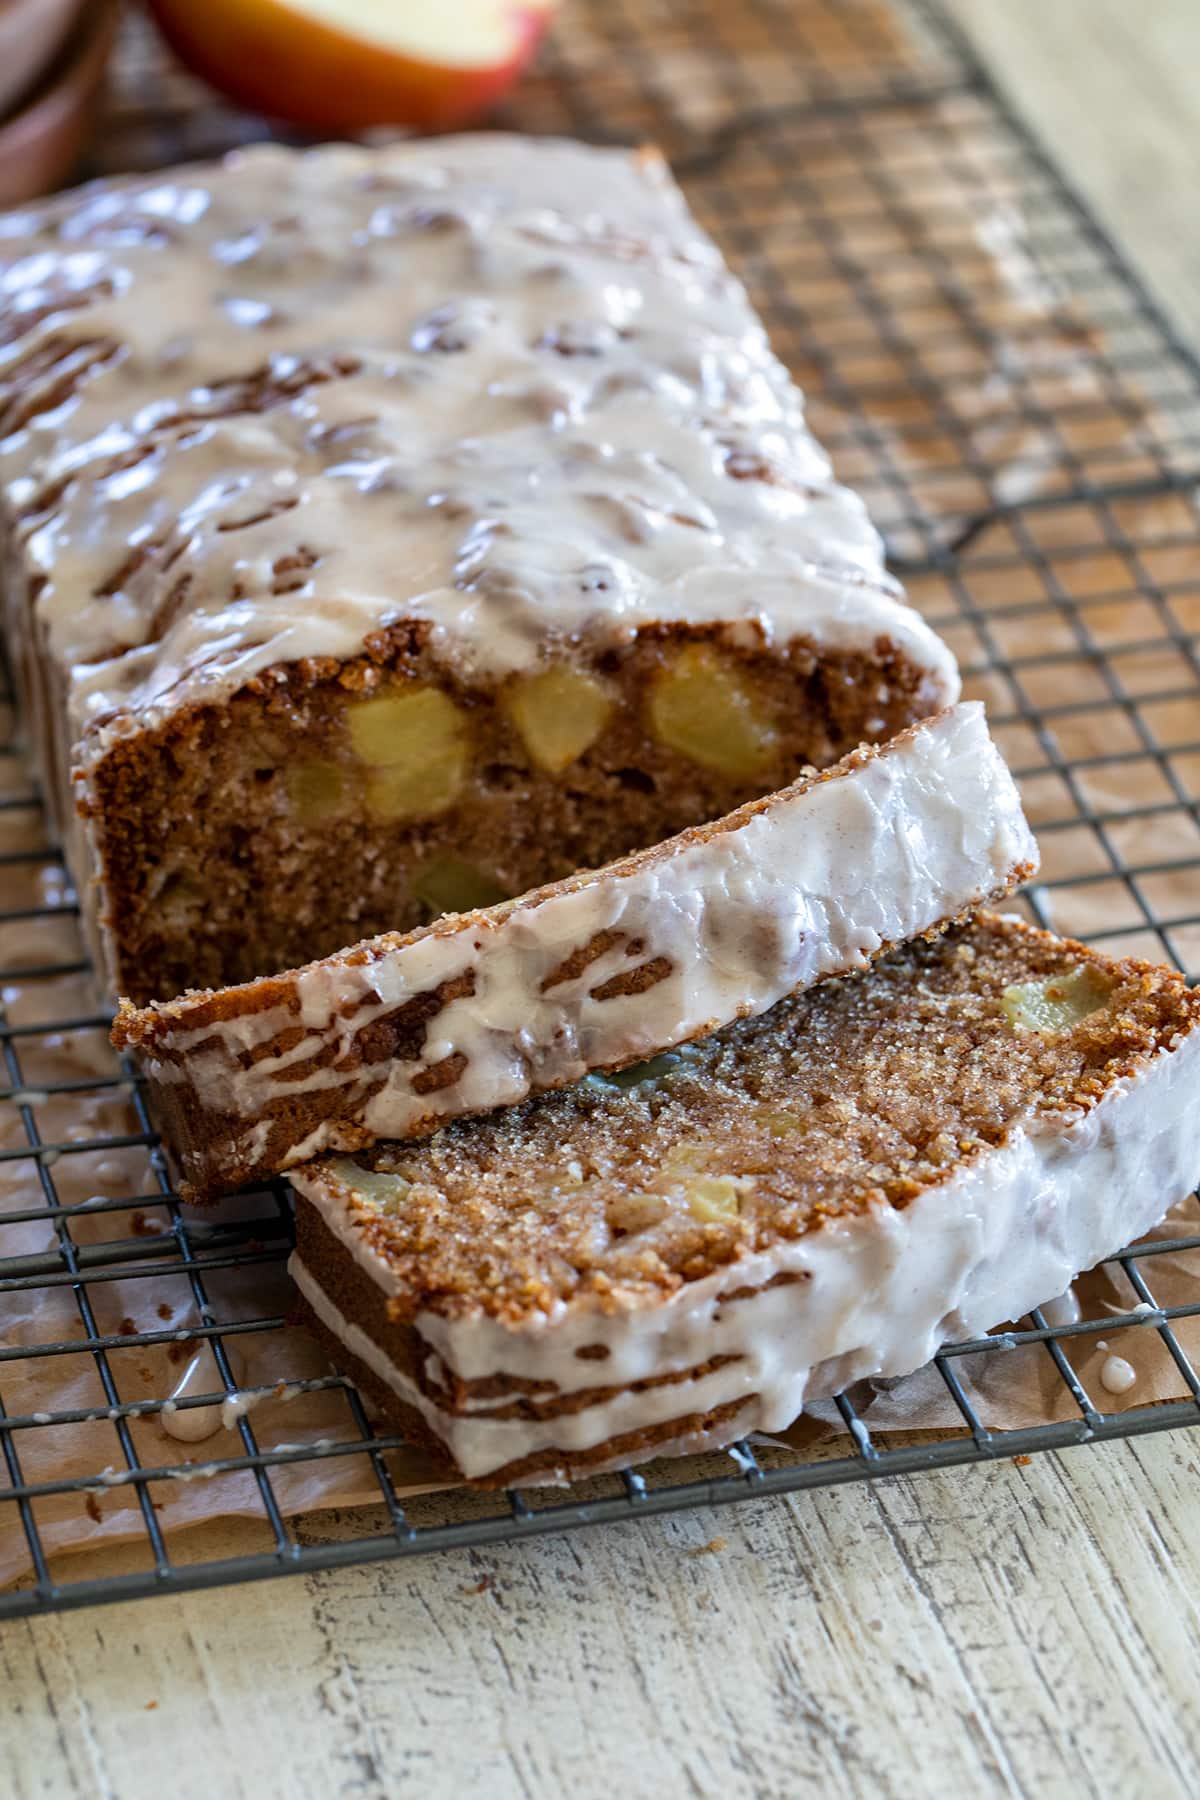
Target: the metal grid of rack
pixel 1026 429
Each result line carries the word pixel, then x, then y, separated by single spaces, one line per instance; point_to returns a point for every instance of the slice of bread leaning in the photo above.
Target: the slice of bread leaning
pixel 396 1035
pixel 660 1262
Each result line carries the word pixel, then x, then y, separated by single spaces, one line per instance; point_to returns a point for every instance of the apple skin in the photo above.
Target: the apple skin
pixel 271 59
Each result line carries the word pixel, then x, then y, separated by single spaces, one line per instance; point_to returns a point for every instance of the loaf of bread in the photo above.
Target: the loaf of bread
pixel 700 1248
pixel 391 532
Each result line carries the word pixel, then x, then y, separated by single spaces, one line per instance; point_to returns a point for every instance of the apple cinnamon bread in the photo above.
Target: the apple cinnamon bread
pixel 388 532
pixel 663 1262
pixel 390 1038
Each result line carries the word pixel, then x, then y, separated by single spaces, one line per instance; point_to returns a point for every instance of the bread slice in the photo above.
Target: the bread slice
pixel 360 506
pixel 391 1037
pixel 699 1248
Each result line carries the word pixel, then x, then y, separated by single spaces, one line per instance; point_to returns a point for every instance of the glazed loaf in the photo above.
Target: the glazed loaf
pixel 389 532
pixel 821 1195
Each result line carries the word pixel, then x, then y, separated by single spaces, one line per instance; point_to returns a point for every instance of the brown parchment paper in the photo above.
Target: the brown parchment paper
pixel 1027 337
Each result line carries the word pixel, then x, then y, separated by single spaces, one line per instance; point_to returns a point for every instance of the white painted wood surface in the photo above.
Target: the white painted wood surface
pixel 1016 1630
pixel 1114 89
pixel 1011 1630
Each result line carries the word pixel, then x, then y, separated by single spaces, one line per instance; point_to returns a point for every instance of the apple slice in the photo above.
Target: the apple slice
pixel 341 65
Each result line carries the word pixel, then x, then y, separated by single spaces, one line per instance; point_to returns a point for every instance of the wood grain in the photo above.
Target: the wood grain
pixel 1013 1630
pixel 1026 1630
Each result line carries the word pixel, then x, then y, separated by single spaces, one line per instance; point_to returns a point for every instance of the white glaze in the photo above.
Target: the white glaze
pixel 509 493
pixel 193 1424
pixel 1064 1309
pixel 881 1293
pixel 815 882
pixel 1116 1375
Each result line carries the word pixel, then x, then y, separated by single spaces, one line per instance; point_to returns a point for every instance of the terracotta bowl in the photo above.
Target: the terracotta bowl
pixel 43 139
pixel 31 33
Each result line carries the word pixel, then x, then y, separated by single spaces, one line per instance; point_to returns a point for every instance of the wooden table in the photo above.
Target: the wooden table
pixel 1016 1629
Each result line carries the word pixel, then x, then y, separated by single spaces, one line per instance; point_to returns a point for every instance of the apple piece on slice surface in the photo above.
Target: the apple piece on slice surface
pixel 341 65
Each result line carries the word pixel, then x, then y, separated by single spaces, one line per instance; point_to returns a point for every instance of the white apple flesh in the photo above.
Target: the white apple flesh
pixel 341 65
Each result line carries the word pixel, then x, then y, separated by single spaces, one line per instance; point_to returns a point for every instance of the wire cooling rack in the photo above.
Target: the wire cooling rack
pixel 1026 429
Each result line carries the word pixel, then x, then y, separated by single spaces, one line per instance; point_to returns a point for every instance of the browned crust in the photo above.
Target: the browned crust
pixel 390 1324
pixel 357 1298
pixel 543 1465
